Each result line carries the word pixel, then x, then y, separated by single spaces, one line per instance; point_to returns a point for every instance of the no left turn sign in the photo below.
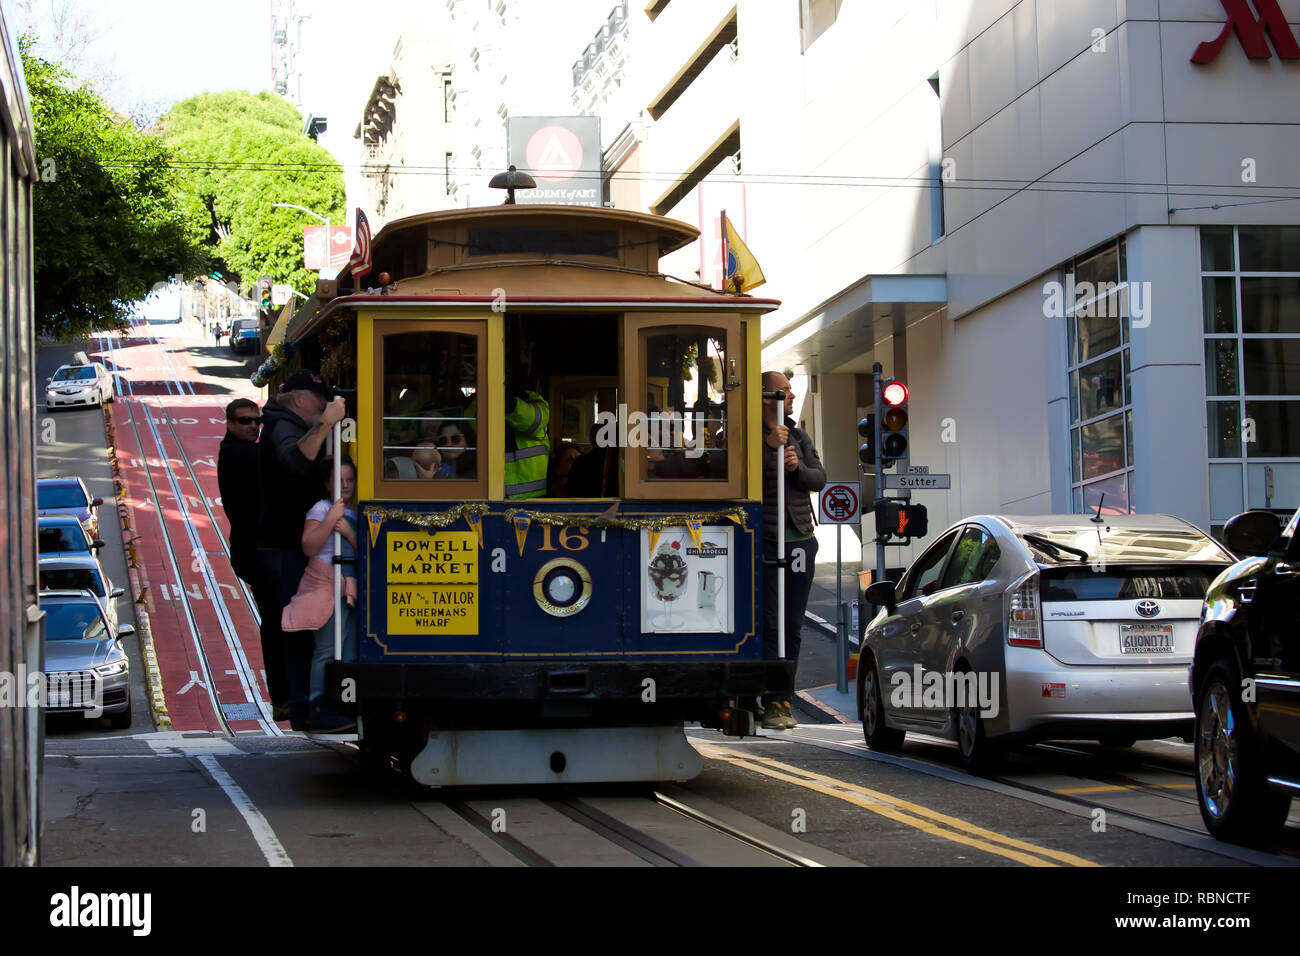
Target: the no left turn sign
pixel 838 502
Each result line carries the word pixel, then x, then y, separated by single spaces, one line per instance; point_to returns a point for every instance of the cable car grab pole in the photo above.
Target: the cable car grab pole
pixel 780 530
pixel 336 444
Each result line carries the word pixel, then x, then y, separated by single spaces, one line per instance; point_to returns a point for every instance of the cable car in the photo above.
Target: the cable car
pixel 559 486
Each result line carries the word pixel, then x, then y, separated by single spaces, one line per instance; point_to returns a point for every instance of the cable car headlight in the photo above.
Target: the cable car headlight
pixel 562 587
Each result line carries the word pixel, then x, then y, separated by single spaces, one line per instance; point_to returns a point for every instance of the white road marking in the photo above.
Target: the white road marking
pixel 263 835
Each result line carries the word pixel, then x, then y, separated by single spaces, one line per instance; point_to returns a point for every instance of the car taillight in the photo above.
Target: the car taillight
pixel 1024 623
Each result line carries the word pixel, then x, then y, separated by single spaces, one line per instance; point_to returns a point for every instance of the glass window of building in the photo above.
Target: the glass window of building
pixel 1250 297
pixel 1101 396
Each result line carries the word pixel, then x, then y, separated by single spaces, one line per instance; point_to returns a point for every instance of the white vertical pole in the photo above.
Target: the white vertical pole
pixel 336 440
pixel 780 534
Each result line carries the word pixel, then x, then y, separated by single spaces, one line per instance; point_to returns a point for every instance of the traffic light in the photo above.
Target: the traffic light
pixel 896 517
pixel 264 286
pixel 893 422
pixel 867 432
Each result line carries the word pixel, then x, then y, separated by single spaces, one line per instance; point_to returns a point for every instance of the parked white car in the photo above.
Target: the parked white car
pixel 89 384
pixel 1024 628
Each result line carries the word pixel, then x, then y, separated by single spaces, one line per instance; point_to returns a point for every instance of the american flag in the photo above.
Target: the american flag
pixel 360 261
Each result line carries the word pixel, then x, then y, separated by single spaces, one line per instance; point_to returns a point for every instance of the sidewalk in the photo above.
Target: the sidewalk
pixel 817 698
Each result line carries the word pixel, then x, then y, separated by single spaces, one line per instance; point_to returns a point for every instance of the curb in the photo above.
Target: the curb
pixel 139 587
pixel 826 710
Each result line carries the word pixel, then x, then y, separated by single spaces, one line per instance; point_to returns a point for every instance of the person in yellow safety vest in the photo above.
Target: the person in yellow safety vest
pixel 528 453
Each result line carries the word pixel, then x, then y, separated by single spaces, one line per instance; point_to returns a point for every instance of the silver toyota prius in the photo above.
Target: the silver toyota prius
pixel 1022 628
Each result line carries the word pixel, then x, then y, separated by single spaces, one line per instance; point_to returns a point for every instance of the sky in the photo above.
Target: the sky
pixel 158 51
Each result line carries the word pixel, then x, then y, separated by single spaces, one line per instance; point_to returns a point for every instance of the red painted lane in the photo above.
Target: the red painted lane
pixel 156 371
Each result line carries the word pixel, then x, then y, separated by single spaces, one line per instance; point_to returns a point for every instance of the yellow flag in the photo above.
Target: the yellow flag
pixel 521 531
pixel 743 272
pixel 281 326
pixel 693 527
pixel 475 522
pixel 652 535
pixel 375 521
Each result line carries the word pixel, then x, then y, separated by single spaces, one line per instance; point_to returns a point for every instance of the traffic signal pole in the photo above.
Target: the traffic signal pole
pixel 879 496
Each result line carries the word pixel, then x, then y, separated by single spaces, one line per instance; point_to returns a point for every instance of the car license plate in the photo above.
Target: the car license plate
pixel 60 698
pixel 1146 638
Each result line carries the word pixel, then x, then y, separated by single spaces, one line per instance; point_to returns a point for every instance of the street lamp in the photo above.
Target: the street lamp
pixel 316 215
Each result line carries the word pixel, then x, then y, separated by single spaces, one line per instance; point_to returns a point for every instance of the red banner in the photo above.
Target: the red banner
pixel 314 240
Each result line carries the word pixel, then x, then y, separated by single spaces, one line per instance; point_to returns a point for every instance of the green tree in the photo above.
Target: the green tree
pixel 241 153
pixel 106 218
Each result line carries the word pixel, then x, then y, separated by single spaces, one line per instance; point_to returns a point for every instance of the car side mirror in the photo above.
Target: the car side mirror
pixel 96 545
pixel 1252 532
pixel 126 630
pixel 116 592
pixel 881 594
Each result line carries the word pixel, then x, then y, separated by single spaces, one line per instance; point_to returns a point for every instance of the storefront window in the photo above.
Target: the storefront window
pixel 1252 367
pixel 1101 439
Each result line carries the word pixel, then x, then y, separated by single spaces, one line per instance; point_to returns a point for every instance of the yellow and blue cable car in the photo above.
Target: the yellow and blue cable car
pixel 513 631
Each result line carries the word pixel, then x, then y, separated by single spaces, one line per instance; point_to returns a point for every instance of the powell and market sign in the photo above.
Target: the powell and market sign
pixel 1253 31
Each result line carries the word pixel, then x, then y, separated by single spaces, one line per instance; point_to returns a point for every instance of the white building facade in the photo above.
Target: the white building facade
pixel 1078 247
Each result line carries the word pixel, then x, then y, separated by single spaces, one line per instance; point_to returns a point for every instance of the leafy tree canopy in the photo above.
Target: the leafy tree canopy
pixel 241 153
pixel 106 217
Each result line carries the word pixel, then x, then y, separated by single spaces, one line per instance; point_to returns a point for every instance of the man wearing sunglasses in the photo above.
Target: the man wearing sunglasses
pixel 241 496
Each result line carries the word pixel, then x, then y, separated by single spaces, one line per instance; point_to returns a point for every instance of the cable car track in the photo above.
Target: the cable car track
pixel 632 839
pixel 243 670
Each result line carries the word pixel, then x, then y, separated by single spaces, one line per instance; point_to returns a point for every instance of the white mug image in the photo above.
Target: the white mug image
pixel 709 587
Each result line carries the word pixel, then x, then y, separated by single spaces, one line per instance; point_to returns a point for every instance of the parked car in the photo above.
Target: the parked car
pixel 64 535
pixel 1038 627
pixel 1245 682
pixel 68 496
pixel 81 573
pixel 245 336
pixel 86 667
pixel 88 384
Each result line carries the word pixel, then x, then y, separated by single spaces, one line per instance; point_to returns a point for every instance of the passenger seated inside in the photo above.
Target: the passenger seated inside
pixel 557 476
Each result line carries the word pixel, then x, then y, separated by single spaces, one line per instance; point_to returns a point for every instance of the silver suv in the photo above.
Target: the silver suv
pixel 1038 627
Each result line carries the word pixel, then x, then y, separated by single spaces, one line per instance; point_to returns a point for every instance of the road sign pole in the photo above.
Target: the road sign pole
pixel 841 631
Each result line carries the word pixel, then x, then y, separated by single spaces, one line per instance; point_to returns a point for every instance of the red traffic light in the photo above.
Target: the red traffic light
pixel 895 393
pixel 265 285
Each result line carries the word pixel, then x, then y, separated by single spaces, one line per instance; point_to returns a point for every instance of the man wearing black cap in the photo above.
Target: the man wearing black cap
pixel 294 425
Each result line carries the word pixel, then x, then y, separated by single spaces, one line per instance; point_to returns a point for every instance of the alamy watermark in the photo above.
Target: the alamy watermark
pixel 940 690
pixel 1098 300
pixel 655 430
pixel 81 690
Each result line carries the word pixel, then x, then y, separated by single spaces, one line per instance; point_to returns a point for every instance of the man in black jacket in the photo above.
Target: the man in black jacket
pixel 241 497
pixel 294 426
pixel 787 452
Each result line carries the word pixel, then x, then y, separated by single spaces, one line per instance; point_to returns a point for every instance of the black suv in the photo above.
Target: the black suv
pixel 1245 682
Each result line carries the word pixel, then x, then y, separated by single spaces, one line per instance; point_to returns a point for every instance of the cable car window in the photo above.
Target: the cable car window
pixel 430 406
pixel 686 409
pixel 685 435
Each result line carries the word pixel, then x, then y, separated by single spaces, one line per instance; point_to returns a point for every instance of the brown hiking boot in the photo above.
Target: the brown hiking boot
pixel 773 717
pixel 787 716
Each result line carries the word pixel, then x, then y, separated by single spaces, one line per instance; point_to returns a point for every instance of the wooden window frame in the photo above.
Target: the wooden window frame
pixel 434 489
pixel 637 328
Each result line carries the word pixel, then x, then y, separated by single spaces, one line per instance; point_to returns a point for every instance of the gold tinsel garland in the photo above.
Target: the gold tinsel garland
pixel 432 521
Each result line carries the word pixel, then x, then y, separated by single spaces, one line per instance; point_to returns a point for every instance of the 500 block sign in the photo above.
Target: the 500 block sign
pixel 432 582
